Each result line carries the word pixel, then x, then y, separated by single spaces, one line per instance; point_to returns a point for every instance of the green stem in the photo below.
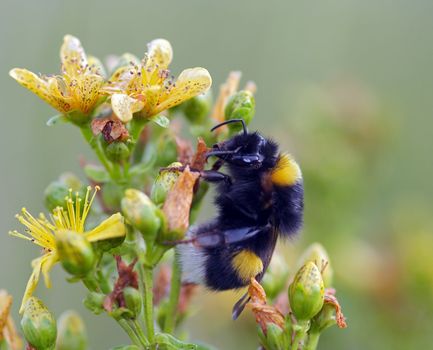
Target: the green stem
pixel 300 330
pixel 130 331
pixel 94 144
pixel 137 327
pixel 147 280
pixel 170 320
pixel 312 341
pixel 90 283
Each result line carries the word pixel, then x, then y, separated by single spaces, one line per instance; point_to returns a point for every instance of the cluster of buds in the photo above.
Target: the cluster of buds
pixel 150 194
pixel 302 313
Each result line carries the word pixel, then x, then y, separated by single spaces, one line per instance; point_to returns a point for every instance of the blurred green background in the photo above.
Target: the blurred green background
pixel 346 86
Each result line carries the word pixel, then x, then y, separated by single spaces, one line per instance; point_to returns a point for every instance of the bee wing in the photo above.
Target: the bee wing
pixel 211 235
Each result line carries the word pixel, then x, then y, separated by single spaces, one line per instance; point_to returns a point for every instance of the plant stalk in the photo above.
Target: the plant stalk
pixel 170 320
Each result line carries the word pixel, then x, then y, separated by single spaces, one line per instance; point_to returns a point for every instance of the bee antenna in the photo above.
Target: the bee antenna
pixel 244 126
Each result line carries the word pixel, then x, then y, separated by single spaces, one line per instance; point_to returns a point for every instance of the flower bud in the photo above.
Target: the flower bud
pixel 241 105
pixel 164 182
pixel 57 191
pixel 94 302
pixel 117 151
pixel 72 332
pixel 324 319
pixel 274 337
pixel 275 277
pixel 39 325
pixel 306 293
pixel 141 213
pixel 317 254
pixel 196 109
pixel 133 300
pixel 75 252
pixel 54 195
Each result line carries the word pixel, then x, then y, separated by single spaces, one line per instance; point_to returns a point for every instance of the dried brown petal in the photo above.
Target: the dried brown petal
pixel 226 90
pixel 111 128
pixel 264 313
pixel 127 278
pixel 184 150
pixel 178 203
pixel 339 317
pixel 199 159
pixel 5 307
pixel 8 330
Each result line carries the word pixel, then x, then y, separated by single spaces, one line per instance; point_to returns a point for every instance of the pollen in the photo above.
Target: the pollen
pixel 286 172
pixel 247 265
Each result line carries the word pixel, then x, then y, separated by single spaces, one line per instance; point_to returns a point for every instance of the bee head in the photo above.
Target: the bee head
pixel 246 150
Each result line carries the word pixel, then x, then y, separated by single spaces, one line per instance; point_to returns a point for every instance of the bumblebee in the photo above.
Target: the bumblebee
pixel 259 199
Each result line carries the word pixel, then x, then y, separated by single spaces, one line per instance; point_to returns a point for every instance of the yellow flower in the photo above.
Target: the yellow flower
pixel 77 89
pixel 43 232
pixel 148 86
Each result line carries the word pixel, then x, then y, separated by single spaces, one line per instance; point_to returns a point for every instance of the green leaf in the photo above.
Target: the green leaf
pixel 96 173
pixel 59 118
pixel 142 168
pixel 161 120
pixel 168 342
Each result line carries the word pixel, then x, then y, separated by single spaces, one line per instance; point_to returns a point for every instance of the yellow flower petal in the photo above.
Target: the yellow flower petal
pixel 33 282
pixel 110 228
pixel 120 79
pixel 48 261
pixel 38 86
pixel 191 82
pixel 124 106
pixel 42 264
pixel 150 98
pixel 159 53
pixel 87 92
pixel 96 66
pixel 72 56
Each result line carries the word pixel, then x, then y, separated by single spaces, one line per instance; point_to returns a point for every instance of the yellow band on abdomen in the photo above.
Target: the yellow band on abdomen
pixel 247 264
pixel 286 172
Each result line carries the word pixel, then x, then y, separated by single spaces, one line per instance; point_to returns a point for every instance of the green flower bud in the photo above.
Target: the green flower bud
pixel 72 332
pixel 54 195
pixel 75 252
pixel 324 319
pixel 164 182
pixel 275 337
pixel 56 191
pixel 306 293
pixel 196 109
pixel 106 245
pixel 117 151
pixel 133 300
pixel 275 278
pixel 94 302
pixel 317 254
pixel 240 106
pixel 141 213
pixel 38 324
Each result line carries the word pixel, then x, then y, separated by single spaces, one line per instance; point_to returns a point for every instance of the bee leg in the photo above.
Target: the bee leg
pixel 215 176
pixel 217 165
